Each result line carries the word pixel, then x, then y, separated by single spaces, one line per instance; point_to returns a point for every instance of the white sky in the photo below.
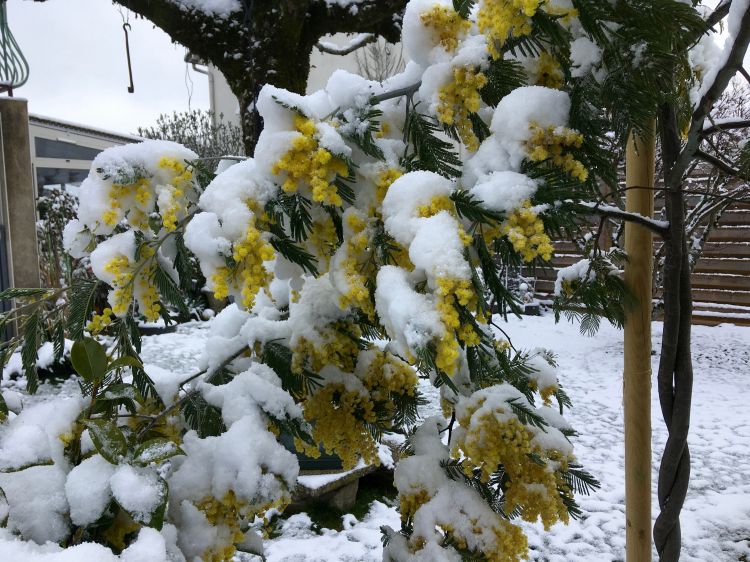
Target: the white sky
pixel 76 51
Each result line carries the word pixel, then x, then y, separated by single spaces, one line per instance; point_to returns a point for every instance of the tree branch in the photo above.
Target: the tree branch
pixel 719 163
pixel 659 227
pixel 725 126
pixel 358 42
pixel 379 17
pixel 703 109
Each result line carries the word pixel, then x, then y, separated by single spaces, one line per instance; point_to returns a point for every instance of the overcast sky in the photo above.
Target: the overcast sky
pixel 76 51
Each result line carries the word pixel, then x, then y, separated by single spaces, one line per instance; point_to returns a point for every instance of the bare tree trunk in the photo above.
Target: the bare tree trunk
pixel 675 375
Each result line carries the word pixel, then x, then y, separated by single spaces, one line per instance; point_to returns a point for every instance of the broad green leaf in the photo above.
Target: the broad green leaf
pixel 125 361
pixel 19 468
pixel 108 439
pixel 156 450
pixel 89 359
pixel 119 391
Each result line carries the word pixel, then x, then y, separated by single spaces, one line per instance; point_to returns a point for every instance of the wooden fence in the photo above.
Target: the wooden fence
pixel 721 280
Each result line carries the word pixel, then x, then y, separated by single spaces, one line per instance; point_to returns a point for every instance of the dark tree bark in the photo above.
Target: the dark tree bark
pixel 675 375
pixel 268 41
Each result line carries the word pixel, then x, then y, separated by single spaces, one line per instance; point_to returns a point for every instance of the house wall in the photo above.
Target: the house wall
pixel 322 65
pixel 62 152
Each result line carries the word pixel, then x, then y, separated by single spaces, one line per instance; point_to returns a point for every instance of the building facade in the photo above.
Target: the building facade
pixel 62 152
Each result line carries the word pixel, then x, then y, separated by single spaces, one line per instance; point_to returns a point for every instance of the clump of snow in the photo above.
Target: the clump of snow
pixel 88 491
pixel 504 191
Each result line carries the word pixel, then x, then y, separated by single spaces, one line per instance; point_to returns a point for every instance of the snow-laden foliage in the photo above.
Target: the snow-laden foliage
pixel 361 247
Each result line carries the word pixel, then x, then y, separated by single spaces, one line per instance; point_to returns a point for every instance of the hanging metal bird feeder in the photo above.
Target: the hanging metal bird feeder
pixel 14 69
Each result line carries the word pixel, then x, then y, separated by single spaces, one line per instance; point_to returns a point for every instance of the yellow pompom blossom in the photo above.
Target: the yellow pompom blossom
pixel 99 322
pixel 338 348
pixel 120 268
pixel 120 197
pixel 337 417
pixel 436 205
pixel 355 266
pixel 446 24
pixel 323 240
pixel 525 230
pixel 408 504
pixel 248 274
pixel 309 164
pixel 225 515
pixel 176 192
pixel 249 255
pixel 460 98
pixel 450 292
pixel 498 438
pixel 384 131
pixel 383 374
pixel 498 19
pixel 384 181
pixel 552 143
pixel 548 71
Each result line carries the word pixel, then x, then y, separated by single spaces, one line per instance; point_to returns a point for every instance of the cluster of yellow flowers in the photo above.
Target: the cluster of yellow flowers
pixel 99 322
pixel 498 19
pixel 537 494
pixel 148 298
pixel 182 178
pixel 534 489
pixel 224 514
pixel 525 230
pixel 488 443
pixel 447 25
pixel 460 98
pixel 119 193
pixel 546 392
pixel 450 292
pixel 386 374
pixel 339 348
pixel 553 143
pixel 355 266
pixel 338 417
pixel 548 71
pixel 384 181
pixel 120 268
pixel 311 165
pixel 248 274
pixel 410 503
pixel 323 240
pixel 510 543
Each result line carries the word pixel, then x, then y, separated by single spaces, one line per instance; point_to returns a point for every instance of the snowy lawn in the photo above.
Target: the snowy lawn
pixel 716 518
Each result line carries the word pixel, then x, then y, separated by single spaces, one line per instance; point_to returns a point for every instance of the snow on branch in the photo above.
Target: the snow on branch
pixel 357 43
pixel 660 227
pixel 722 125
pixel 735 49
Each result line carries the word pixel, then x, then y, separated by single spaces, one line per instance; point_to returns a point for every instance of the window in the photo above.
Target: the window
pixel 48 148
pixel 58 176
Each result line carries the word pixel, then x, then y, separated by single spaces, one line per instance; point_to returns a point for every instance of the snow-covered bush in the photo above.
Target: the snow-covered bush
pixel 360 244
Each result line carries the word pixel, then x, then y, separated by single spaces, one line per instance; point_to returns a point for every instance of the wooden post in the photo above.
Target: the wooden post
pixel 639 172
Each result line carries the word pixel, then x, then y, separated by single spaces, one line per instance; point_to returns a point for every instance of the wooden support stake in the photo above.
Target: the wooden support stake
pixel 639 172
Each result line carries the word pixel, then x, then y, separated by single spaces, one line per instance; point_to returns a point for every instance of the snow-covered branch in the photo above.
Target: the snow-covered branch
pixel 660 227
pixel 737 44
pixel 721 125
pixel 357 43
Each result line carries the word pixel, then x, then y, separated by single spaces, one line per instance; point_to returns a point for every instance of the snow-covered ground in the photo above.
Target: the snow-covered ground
pixel 716 517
